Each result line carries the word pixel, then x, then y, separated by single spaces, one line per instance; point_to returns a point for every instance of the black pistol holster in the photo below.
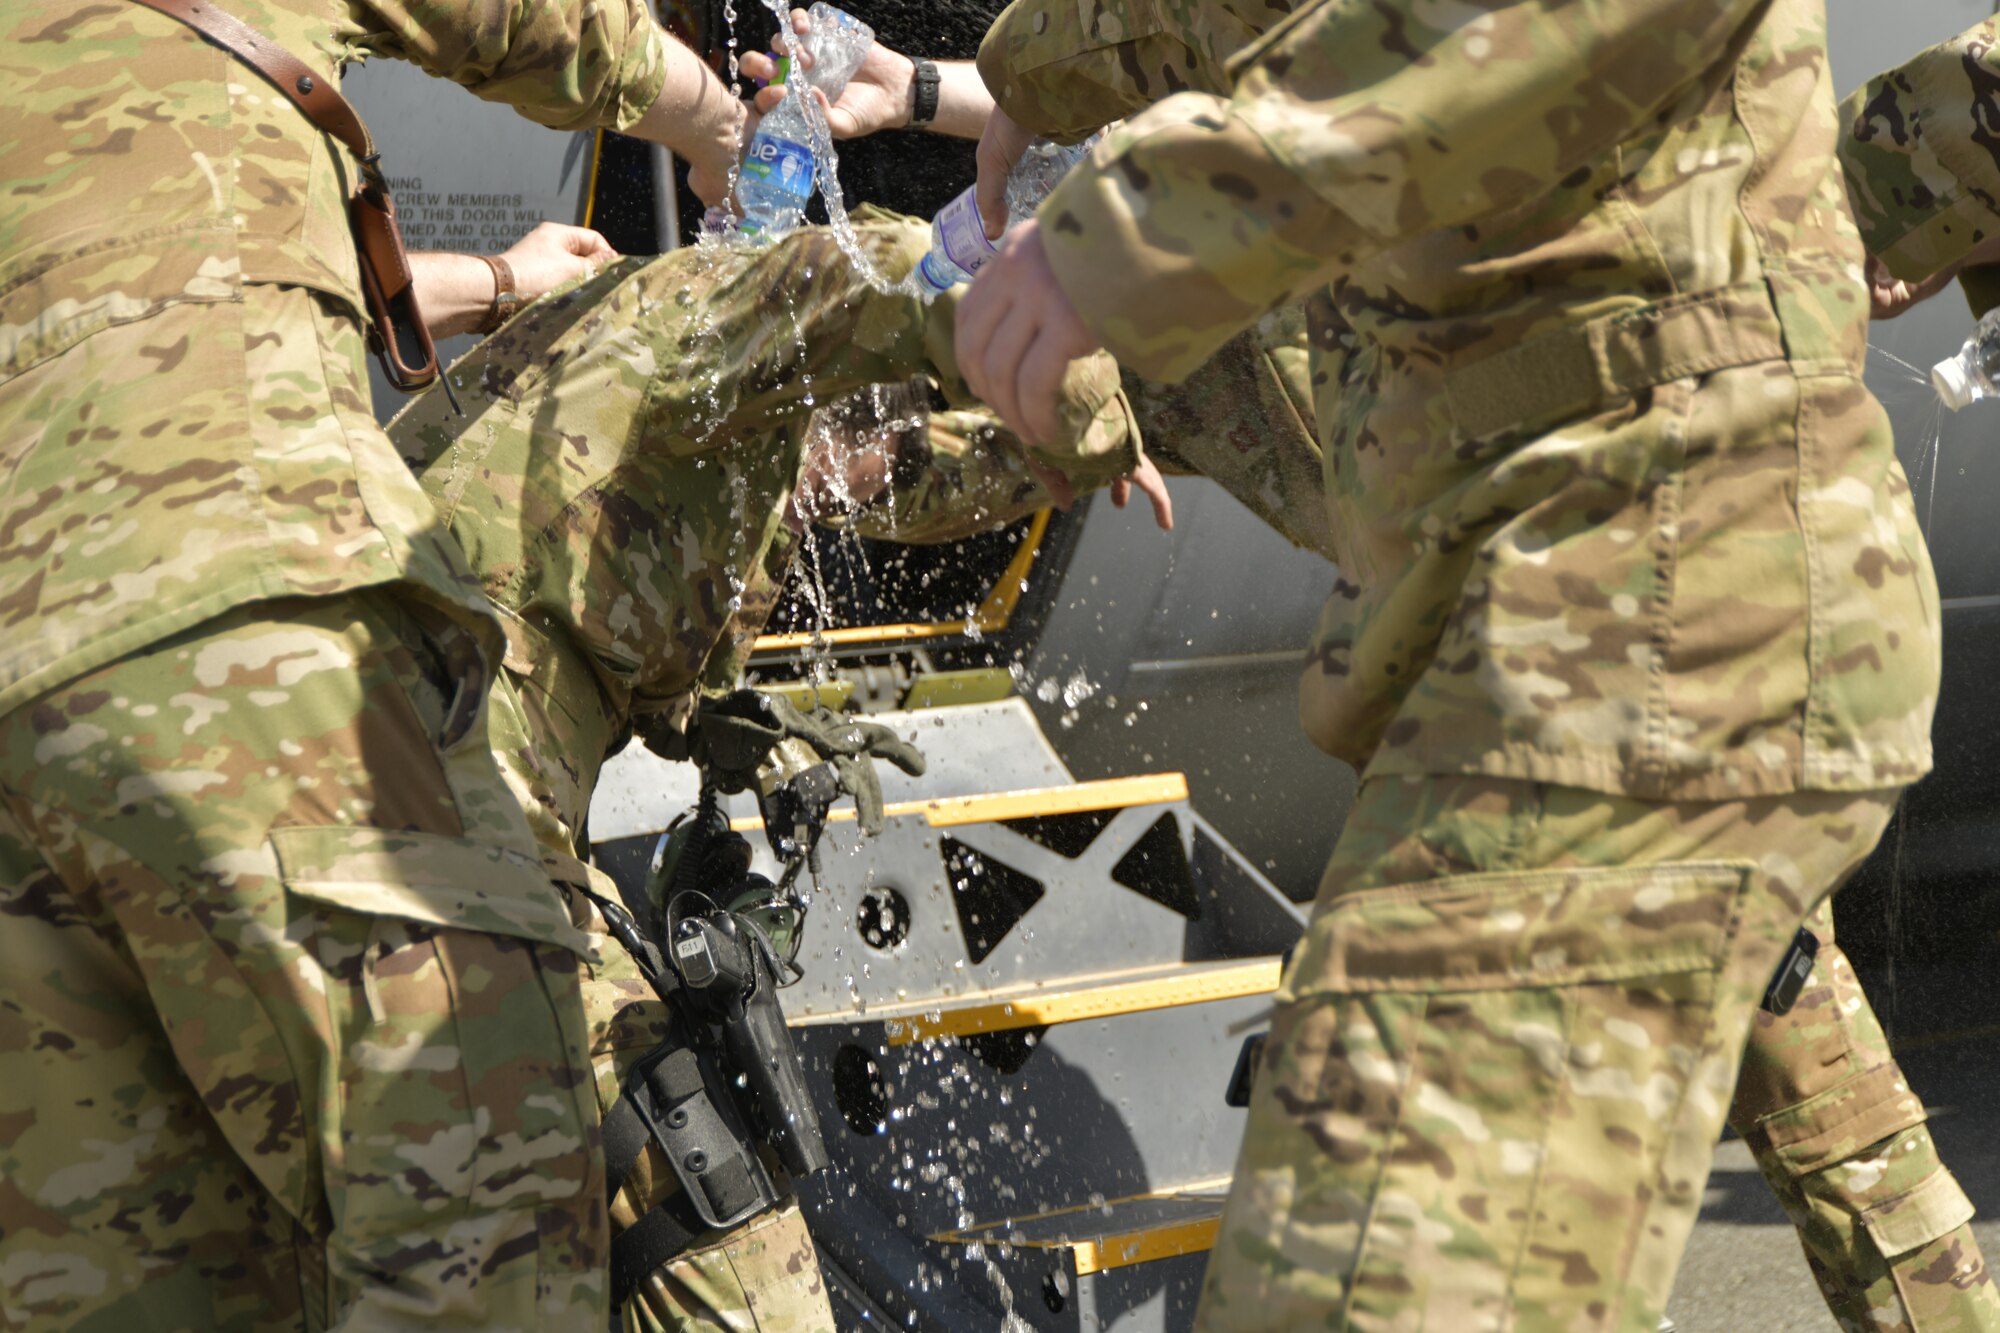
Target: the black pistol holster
pixel 717 941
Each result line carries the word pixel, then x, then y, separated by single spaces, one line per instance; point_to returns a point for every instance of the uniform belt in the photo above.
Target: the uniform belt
pixel 1573 371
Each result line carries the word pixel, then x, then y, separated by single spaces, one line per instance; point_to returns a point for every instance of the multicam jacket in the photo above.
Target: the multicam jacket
pixel 1612 507
pixel 1068 70
pixel 1244 418
pixel 1918 149
pixel 144 170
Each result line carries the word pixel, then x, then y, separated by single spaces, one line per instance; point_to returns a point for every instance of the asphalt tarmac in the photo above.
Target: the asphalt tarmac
pixel 1743 1272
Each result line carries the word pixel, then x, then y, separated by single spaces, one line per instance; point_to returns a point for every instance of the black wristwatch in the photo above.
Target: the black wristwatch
pixel 924 87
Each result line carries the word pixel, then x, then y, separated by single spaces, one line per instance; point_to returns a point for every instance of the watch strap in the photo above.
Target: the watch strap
pixel 505 296
pixel 924 91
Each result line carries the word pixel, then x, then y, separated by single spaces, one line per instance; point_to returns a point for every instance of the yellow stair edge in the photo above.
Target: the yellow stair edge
pixel 1195 984
pixel 1145 1246
pixel 1259 976
pixel 990 617
pixel 1119 1249
pixel 948 811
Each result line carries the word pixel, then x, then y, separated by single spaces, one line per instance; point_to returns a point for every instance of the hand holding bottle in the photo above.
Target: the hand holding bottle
pixel 779 168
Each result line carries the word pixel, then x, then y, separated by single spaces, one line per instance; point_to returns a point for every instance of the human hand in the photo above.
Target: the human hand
pixel 553 254
pixel 1062 493
pixel 1889 296
pixel 1147 479
pixel 1017 333
pixel 877 97
pixel 696 118
pixel 1000 148
pixel 712 160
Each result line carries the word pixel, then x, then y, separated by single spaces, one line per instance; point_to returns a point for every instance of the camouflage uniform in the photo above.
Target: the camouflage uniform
pixel 1629 584
pixel 1243 419
pixel 291 1012
pixel 621 489
pixel 1915 148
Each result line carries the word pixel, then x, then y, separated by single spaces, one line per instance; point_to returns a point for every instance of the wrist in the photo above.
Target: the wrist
pixel 906 89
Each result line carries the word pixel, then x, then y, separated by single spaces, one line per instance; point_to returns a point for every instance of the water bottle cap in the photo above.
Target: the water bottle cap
pixel 1953 382
pixel 931 281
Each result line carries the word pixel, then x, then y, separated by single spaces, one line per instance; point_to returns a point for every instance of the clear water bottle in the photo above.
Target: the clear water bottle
pixel 776 181
pixel 1975 372
pixel 959 247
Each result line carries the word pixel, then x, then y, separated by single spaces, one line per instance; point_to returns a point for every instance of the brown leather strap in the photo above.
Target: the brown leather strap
pixel 505 297
pixel 317 97
pixel 396 332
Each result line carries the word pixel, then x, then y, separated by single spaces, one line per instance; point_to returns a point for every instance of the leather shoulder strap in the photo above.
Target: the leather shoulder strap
pixel 316 97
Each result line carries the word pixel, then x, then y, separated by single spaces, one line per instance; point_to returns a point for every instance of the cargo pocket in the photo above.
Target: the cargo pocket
pixel 1509 929
pixel 456 1082
pixel 1928 1212
pixel 1491 1084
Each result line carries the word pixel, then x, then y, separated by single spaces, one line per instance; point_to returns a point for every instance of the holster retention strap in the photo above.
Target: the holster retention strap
pixel 667 1100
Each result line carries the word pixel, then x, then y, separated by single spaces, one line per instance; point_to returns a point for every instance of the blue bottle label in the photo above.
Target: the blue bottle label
pixel 781 162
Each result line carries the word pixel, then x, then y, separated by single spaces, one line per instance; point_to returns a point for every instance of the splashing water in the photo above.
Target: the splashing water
pixel 1924 468
pixel 827 166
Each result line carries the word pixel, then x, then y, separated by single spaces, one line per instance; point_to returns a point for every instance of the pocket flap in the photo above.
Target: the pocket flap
pixel 1913 1219
pixel 1514 928
pixel 427 877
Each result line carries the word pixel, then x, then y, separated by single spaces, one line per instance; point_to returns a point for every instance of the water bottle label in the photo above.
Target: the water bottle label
pixel 782 163
pixel 962 236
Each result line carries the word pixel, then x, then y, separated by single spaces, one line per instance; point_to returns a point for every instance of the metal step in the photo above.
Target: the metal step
pixel 1032 1142
pixel 1021 1007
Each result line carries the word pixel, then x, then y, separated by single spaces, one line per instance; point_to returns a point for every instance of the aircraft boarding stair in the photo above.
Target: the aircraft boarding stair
pixel 1021 1008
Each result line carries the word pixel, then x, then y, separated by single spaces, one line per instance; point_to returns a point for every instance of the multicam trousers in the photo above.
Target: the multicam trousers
pixel 1505 1051
pixel 289 1011
pixel 1841 1139
pixel 761 1277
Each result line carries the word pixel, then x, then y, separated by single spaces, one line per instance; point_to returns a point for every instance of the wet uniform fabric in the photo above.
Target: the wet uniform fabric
pixel 621 489
pixel 1243 419
pixel 290 1009
pixel 1469 594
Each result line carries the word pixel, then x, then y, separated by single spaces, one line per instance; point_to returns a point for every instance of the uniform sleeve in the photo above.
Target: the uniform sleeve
pixel 566 64
pixel 1353 127
pixel 1065 69
pixel 967 475
pixel 1918 147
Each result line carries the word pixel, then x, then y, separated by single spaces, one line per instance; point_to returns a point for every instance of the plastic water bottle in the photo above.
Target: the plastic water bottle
pixel 776 181
pixel 959 247
pixel 1975 372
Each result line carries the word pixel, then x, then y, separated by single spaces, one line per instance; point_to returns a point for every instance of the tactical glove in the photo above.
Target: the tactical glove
pixel 734 736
